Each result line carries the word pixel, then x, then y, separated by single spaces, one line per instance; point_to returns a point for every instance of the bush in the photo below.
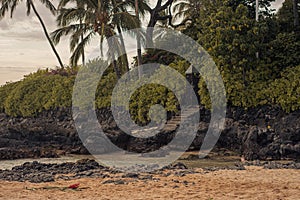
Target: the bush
pixel 37 93
pixel 45 90
pixel 4 92
pixel 286 90
pixel 261 90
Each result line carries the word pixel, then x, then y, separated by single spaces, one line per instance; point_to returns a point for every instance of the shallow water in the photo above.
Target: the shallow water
pixel 8 164
pixel 129 160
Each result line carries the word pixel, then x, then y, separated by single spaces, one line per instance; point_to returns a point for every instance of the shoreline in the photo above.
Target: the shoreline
pixel 251 183
pixel 38 170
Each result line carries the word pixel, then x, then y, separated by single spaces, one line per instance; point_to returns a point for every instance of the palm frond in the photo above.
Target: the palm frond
pixel 5 5
pixel 80 49
pixel 69 15
pixel 13 7
pixel 28 6
pixel 63 31
pixel 76 36
pixel 126 20
pixel 49 5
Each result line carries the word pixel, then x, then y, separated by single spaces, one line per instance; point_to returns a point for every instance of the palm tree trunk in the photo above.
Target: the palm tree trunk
pixel 82 54
pixel 138 40
pixel 124 56
pixel 47 34
pixel 111 48
pixel 115 66
pixel 123 48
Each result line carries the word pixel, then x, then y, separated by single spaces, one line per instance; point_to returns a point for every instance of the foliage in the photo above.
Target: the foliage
pixel 284 51
pixel 153 93
pixel 285 16
pixel 88 19
pixel 286 90
pixel 232 37
pixel 39 92
pixel 283 91
pixel 4 92
pixel 226 29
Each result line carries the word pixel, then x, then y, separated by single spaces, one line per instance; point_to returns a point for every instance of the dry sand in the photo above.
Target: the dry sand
pixel 253 183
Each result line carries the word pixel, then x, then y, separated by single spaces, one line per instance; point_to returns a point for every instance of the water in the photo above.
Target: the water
pixel 9 164
pixel 131 159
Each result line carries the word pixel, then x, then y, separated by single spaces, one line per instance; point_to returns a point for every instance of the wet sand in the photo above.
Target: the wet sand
pixel 252 183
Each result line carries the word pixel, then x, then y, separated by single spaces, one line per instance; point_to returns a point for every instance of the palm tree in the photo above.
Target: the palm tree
pixel 71 20
pixel 98 17
pixel 185 11
pixel 81 32
pixel 11 5
pixel 116 9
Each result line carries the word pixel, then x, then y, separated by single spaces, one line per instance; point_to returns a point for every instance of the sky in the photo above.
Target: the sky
pixel 24 48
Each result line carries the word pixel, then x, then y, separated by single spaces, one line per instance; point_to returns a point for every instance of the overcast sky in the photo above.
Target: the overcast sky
pixel 24 48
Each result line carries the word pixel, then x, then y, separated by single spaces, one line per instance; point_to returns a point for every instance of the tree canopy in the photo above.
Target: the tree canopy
pixel 259 60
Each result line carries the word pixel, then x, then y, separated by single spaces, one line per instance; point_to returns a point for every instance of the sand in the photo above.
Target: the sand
pixel 252 183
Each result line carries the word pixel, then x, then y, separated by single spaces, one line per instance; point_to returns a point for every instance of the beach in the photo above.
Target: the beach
pixel 252 183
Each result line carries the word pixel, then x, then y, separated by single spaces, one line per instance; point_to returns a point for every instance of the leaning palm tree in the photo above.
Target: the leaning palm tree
pixel 11 5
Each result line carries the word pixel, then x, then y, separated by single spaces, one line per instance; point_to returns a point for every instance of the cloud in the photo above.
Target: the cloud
pixel 22 27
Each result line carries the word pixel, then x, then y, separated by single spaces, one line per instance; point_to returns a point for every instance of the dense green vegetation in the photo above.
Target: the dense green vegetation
pixel 39 91
pixel 226 29
pixel 233 38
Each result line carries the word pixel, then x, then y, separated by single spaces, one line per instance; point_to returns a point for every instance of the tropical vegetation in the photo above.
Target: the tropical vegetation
pixel 259 60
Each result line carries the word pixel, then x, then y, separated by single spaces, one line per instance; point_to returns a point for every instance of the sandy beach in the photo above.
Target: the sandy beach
pixel 252 183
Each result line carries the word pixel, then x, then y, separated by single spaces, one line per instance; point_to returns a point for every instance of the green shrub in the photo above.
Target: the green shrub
pixel 37 93
pixel 4 92
pixel 260 90
pixel 45 90
pixel 286 90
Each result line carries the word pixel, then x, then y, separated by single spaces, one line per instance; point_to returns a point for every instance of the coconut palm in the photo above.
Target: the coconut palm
pixel 71 21
pixel 139 11
pixel 11 5
pixel 183 11
pixel 98 17
pixel 81 33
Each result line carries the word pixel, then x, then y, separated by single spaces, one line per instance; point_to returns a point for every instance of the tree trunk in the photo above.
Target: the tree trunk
pixel 82 54
pixel 123 49
pixel 296 14
pixel 138 41
pixel 115 65
pixel 150 28
pixel 47 34
pixel 113 59
pixel 124 56
pixel 155 16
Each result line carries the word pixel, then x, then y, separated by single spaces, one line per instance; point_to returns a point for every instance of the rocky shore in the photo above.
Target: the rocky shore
pixel 36 172
pixel 265 133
